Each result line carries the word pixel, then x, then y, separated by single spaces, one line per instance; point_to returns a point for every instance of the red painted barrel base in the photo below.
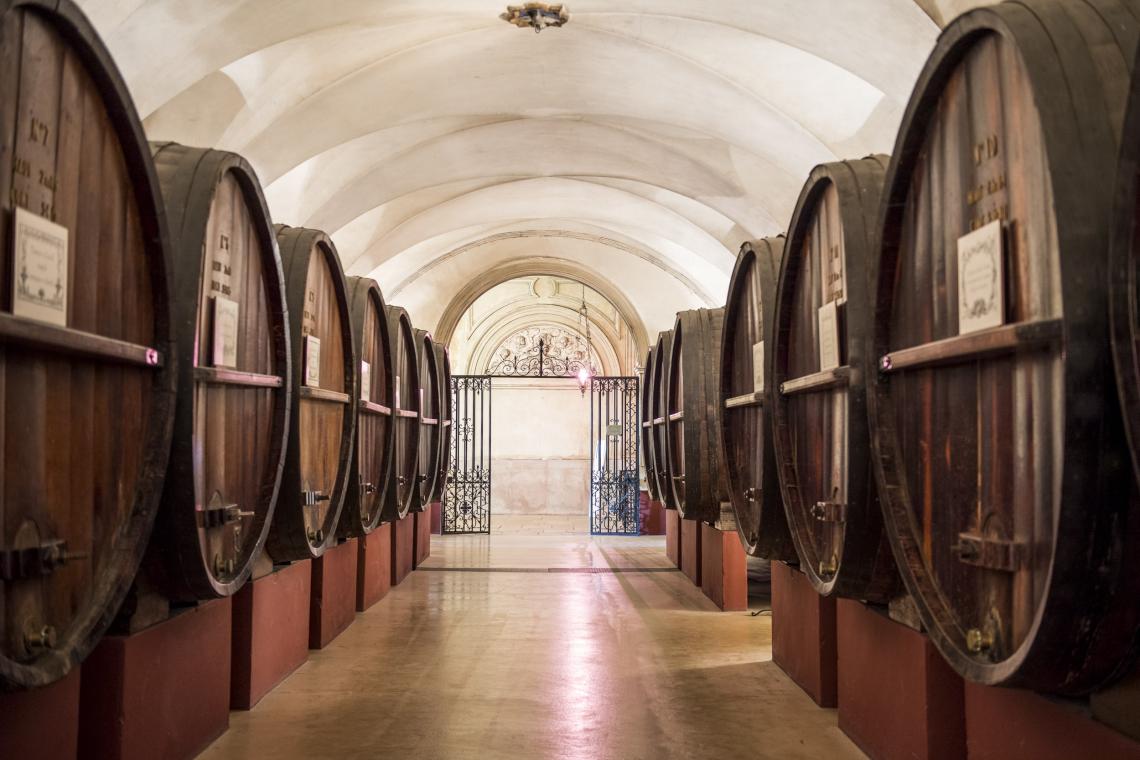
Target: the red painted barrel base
pixel 724 568
pixel 673 536
pixel 162 692
pixel 403 548
pixel 897 696
pixel 803 634
pixel 691 550
pixel 41 724
pixel 270 632
pixel 1008 723
pixel 437 518
pixel 652 516
pixel 374 567
pixel 332 605
pixel 421 548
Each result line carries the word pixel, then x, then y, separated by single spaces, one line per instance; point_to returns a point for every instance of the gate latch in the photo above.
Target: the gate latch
pixel 313 498
pixel 35 561
pixel 990 553
pixel 830 511
pixel 217 516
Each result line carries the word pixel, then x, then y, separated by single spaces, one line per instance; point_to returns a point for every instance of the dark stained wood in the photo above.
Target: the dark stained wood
pixel 657 415
pixel 231 421
pixel 443 361
pixel 322 434
pixel 1005 480
pixel 84 427
pixel 375 430
pixel 693 419
pixel 431 431
pixel 646 421
pixel 820 427
pixel 407 410
pixel 747 456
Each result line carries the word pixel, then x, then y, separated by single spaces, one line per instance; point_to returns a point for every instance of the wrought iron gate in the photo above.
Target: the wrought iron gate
pixel 467 498
pixel 614 494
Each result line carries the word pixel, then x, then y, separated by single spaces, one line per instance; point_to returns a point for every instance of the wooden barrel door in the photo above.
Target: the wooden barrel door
pixel 428 462
pixel 232 417
pixel 660 445
pixel 997 434
pixel 406 412
pixel 817 394
pixel 748 460
pixel 647 426
pixel 693 415
pixel 325 404
pixel 375 431
pixel 87 369
pixel 443 361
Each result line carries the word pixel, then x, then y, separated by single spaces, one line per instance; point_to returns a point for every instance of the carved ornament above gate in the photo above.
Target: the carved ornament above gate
pixel 542 352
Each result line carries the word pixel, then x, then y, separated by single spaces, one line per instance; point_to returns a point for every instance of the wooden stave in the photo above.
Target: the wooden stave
pixel 657 394
pixel 363 290
pixel 428 472
pixel 112 586
pixel 189 194
pixel 866 571
pixel 771 539
pixel 1035 664
pixel 397 506
pixel 646 420
pixel 696 339
pixel 443 361
pixel 287 540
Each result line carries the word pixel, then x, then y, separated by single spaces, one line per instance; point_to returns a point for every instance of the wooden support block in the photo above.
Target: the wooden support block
pixel 1009 723
pixel 403 546
pixel 421 548
pixel 437 518
pixel 898 698
pixel 270 632
pixel 1119 705
pixel 652 516
pixel 673 536
pixel 803 634
pixel 162 692
pixel 41 724
pixel 724 568
pixel 374 567
pixel 691 550
pixel 332 603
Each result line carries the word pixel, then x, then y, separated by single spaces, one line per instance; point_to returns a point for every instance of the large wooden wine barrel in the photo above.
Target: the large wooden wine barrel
pixel 87 363
pixel 660 460
pixel 747 455
pixel 646 418
pixel 375 431
pixel 403 487
pixel 431 400
pixel 325 401
pixel 996 430
pixel 822 320
pixel 692 414
pixel 443 361
pixel 232 416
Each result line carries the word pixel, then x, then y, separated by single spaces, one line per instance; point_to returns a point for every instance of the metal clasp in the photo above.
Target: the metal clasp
pixel 35 561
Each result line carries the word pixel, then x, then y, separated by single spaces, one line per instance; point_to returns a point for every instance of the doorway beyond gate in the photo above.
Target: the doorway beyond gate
pixel 613 493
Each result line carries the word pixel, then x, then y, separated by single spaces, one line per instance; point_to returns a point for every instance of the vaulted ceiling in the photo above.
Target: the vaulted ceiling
pixel 637 146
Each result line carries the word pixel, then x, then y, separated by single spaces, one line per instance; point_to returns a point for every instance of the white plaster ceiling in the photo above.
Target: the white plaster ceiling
pixel 643 142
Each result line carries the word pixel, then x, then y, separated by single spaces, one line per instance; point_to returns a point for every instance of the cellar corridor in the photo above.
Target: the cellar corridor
pixel 553 646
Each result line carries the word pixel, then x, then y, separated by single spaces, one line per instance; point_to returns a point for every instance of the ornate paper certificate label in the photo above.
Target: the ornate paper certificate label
pixel 312 361
pixel 828 336
pixel 365 381
pixel 39 268
pixel 225 332
pixel 981 302
pixel 758 367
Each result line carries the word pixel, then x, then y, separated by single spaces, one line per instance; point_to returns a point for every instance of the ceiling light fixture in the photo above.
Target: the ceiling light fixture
pixel 538 16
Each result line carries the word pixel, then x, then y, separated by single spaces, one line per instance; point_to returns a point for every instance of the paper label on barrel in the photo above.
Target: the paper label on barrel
pixel 828 336
pixel 365 381
pixel 758 367
pixel 225 332
pixel 39 268
pixel 312 361
pixel 981 285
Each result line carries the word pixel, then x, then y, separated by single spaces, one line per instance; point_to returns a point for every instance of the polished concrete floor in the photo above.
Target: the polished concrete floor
pixel 532 646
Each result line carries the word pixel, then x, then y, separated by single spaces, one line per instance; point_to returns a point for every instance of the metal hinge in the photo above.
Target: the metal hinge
pixel 752 494
pixel 369 487
pixel 313 498
pixel 990 553
pixel 217 516
pixel 829 511
pixel 35 561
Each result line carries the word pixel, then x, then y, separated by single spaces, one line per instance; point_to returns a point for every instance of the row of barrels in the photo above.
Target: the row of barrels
pixel 183 385
pixel 930 384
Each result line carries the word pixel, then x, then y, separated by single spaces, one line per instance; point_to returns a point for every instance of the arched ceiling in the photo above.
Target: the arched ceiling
pixel 642 142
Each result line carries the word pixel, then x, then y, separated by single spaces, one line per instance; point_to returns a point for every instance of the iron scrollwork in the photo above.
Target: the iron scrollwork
pixel 467 497
pixel 615 503
pixel 542 352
